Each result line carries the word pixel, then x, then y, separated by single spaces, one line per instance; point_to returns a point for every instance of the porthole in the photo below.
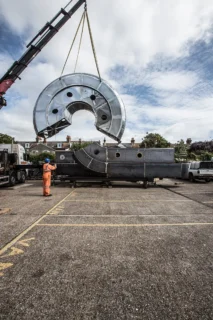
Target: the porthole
pixel 139 155
pixel 92 97
pixel 103 117
pixel 69 94
pixel 117 155
pixel 55 111
pixel 96 151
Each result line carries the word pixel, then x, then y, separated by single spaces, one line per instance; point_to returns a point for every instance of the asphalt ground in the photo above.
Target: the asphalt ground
pixel 107 253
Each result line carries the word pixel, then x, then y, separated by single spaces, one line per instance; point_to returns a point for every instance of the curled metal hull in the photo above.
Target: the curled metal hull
pixel 115 163
pixel 58 102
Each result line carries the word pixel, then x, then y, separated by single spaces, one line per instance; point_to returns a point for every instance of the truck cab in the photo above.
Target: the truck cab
pixel 201 170
pixel 12 155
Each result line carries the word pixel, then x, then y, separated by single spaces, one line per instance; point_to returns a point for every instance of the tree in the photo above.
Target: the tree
pixel 188 141
pixel 180 149
pixel 4 138
pixel 154 140
pixel 40 157
pixel 192 156
pixel 77 146
pixel 206 156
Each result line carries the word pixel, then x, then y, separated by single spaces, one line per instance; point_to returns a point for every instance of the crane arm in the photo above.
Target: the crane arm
pixel 34 47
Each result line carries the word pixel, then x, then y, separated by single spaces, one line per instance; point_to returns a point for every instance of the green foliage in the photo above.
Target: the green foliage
pixel 192 156
pixel 206 156
pixel 4 138
pixel 77 146
pixel 188 141
pixel 154 140
pixel 40 157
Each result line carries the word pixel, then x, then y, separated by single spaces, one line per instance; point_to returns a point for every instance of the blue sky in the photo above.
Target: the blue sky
pixel 157 56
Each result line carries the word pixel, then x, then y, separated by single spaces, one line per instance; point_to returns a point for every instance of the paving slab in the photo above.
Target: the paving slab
pixel 105 273
pixel 26 206
pixel 98 253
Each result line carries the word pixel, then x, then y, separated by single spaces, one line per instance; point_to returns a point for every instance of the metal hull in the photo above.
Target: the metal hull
pixel 96 161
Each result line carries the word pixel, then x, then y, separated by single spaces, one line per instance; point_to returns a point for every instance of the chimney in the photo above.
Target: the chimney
pixel 132 142
pixel 68 139
pixel 45 140
pixel 104 143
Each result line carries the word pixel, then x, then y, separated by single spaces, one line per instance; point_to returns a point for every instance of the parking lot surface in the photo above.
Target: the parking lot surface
pixel 107 253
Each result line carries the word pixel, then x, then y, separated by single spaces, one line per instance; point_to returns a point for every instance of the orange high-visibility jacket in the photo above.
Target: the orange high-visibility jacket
pixel 47 168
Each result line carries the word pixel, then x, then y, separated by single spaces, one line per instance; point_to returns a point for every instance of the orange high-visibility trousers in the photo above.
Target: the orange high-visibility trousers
pixel 47 168
pixel 46 183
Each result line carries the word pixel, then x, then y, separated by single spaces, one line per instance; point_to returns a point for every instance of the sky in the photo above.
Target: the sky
pixel 157 54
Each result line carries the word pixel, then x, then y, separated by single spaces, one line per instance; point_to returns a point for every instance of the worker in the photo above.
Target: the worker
pixel 47 168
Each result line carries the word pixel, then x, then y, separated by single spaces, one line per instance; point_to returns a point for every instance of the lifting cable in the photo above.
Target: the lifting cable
pixel 72 44
pixel 92 43
pixel 82 30
pixel 82 21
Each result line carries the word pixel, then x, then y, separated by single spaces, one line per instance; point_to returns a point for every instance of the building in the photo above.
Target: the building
pixel 42 145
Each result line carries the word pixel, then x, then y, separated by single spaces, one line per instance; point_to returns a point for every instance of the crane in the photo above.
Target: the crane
pixel 35 46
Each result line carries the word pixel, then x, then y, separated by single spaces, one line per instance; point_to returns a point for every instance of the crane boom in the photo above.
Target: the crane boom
pixel 34 47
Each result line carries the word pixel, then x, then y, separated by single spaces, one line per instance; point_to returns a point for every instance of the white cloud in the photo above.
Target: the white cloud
pixel 129 35
pixel 172 81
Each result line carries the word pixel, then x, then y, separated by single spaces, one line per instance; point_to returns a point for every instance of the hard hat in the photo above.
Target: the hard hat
pixel 47 160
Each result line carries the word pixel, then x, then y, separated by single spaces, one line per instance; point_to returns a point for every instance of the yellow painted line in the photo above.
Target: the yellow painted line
pixel 198 192
pixel 14 252
pixel 4 210
pixel 4 266
pixel 126 215
pixel 25 243
pixel 149 200
pixel 122 225
pixel 5 248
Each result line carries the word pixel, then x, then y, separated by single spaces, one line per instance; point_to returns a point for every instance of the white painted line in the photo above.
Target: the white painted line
pixel 23 185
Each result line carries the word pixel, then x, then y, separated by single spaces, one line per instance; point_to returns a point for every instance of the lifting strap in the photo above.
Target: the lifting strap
pixel 82 30
pixel 72 44
pixel 92 44
pixel 82 21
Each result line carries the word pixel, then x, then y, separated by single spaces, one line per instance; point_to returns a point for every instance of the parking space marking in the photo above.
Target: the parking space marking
pixel 14 251
pixel 4 266
pixel 11 243
pixel 5 210
pixel 121 225
pixel 25 243
pixel 140 200
pixel 128 215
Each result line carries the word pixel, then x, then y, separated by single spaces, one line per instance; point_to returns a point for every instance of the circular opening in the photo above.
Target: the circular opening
pixel 92 97
pixel 117 155
pixel 55 111
pixel 69 94
pixel 96 151
pixel 103 117
pixel 139 155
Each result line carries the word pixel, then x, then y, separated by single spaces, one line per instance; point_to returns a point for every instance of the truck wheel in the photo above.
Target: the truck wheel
pixel 23 177
pixel 207 180
pixel 191 178
pixel 12 180
pixel 145 184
